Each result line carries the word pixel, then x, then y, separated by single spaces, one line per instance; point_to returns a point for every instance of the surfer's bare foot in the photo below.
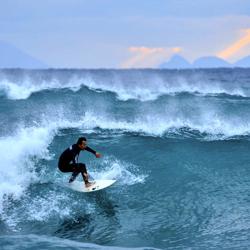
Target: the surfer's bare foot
pixel 88 184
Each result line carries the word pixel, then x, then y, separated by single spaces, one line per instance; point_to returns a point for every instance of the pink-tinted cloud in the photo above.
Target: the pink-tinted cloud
pixel 236 47
pixel 144 57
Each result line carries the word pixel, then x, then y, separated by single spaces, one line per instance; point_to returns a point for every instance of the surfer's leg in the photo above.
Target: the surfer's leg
pixel 83 170
pixel 73 176
pixel 75 171
pixel 75 168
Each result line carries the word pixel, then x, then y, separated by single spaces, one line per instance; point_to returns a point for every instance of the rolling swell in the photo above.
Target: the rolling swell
pixel 127 84
pixel 42 242
pixel 186 115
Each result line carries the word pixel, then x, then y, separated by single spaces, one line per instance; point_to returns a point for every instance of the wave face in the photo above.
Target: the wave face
pixel 176 141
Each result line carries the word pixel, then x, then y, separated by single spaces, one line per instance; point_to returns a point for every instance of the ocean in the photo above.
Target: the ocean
pixel 176 141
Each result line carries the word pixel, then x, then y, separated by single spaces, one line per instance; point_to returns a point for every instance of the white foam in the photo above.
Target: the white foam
pixel 18 155
pixel 207 121
pixel 44 208
pixel 24 88
pixel 112 168
pixel 140 87
pixel 158 87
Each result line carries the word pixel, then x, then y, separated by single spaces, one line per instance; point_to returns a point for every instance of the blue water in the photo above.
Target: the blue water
pixel 178 143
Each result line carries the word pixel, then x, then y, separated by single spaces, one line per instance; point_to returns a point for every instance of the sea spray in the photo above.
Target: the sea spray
pixel 126 84
pixel 177 142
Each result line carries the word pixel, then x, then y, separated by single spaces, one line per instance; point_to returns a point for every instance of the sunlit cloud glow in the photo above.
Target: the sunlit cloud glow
pixel 236 47
pixel 145 57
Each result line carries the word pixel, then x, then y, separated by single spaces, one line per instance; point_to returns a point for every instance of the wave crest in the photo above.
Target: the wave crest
pixel 131 84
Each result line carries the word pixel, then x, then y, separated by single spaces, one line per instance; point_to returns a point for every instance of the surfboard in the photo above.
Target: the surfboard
pixel 98 185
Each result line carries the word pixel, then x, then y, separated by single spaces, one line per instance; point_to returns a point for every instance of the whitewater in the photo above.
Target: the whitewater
pixel 177 141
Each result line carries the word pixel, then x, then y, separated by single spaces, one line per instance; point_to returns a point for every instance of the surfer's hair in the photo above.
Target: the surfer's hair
pixel 80 140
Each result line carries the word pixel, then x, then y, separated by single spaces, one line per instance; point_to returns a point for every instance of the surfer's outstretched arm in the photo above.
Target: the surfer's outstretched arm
pixel 98 155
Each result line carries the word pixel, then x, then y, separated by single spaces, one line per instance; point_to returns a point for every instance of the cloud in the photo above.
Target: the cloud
pixel 236 47
pixel 145 57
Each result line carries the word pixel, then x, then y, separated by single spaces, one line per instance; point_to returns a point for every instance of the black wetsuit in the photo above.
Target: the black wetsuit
pixel 68 161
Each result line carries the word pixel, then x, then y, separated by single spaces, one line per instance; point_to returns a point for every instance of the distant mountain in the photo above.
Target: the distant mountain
pixel 179 62
pixel 12 57
pixel 211 62
pixel 244 62
pixel 176 62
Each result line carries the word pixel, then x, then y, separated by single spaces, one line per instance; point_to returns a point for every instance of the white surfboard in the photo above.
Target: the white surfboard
pixel 98 185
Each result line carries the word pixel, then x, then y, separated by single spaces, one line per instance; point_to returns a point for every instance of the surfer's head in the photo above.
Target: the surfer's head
pixel 82 142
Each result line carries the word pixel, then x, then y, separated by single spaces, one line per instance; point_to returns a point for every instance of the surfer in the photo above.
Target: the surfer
pixel 68 161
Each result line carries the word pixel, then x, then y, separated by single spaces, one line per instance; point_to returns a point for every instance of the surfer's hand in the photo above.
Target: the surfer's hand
pixel 98 155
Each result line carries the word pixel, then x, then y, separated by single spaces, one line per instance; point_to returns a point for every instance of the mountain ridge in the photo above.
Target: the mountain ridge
pixel 203 62
pixel 13 57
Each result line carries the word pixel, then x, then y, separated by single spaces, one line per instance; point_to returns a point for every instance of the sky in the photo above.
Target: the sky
pixel 128 33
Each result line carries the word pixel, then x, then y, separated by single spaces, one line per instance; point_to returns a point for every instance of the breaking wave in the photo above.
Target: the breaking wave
pixel 130 84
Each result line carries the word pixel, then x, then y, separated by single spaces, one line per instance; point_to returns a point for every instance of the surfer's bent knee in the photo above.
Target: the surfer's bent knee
pixel 82 167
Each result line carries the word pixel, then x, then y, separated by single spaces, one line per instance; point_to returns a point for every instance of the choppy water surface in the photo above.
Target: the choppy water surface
pixel 176 141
